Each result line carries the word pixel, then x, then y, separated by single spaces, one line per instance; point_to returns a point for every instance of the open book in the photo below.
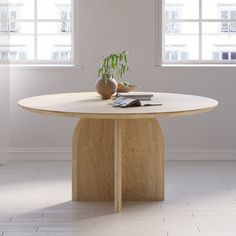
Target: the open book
pixel 124 102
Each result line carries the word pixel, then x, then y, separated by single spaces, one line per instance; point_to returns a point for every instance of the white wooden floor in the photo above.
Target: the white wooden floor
pixel 35 200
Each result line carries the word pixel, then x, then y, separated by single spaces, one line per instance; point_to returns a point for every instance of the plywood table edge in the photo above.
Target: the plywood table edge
pixel 119 116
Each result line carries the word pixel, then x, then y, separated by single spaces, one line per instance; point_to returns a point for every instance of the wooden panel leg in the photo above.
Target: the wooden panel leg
pixel 98 155
pixel 143 161
pixel 93 161
pixel 118 166
pixel 75 167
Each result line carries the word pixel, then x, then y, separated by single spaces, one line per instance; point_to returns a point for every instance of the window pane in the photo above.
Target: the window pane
pixel 181 9
pixel 3 26
pixel 54 9
pixel 16 27
pixel 183 44
pixel 218 44
pixel 63 27
pixel 4 39
pixel 219 9
pixel 54 48
pixel 21 9
pixel 4 43
pixel 3 11
pixel 21 48
pixel 21 28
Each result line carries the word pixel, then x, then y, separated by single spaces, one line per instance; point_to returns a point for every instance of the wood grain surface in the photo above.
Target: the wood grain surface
pixel 118 148
pixel 93 160
pixel 90 105
pixel 138 148
pixel 143 161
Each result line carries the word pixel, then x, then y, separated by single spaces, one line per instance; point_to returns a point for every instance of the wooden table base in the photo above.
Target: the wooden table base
pixel 118 159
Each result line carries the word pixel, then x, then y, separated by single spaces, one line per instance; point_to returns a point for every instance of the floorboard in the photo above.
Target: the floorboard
pixel 35 200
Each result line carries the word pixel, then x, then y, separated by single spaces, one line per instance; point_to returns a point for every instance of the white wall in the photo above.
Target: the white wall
pixel 110 25
pixel 4 112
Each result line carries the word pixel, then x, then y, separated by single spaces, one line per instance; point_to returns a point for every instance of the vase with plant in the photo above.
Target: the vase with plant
pixel 112 68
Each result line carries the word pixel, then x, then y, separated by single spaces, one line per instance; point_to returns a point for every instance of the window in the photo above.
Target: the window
pixel 199 31
pixel 36 31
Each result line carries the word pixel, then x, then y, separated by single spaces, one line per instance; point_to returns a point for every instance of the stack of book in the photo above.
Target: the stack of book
pixel 133 99
pixel 137 95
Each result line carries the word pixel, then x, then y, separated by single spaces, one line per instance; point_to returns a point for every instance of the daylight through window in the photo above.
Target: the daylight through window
pixel 200 31
pixel 36 31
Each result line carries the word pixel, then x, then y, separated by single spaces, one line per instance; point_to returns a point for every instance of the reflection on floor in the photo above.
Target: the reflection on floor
pixel 35 200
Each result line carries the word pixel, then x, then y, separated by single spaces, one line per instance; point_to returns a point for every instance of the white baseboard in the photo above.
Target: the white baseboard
pixel 54 154
pixel 42 154
pixel 214 154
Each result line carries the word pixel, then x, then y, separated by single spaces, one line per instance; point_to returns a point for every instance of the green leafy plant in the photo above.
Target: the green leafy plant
pixel 113 65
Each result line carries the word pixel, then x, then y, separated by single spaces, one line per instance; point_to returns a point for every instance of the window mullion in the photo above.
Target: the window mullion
pixel 35 29
pixel 200 30
pixel 163 18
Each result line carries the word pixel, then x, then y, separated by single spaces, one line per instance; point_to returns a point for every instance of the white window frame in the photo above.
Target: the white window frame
pixel 36 62
pixel 160 39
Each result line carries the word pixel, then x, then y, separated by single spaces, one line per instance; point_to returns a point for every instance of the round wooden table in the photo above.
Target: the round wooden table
pixel 118 153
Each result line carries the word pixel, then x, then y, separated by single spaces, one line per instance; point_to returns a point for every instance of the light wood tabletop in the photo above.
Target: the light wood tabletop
pixel 90 105
pixel 118 153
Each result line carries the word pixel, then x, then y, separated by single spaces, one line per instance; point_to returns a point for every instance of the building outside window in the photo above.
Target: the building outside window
pixel 173 12
pixel 36 31
pixel 176 53
pixel 225 52
pixel 228 12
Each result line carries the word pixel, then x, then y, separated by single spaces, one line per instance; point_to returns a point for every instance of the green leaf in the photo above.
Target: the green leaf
pixel 123 68
pixel 116 60
pixel 113 61
pixel 108 61
pixel 125 57
pixel 121 57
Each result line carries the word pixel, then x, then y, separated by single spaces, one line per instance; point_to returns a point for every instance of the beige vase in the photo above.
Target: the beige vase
pixel 106 90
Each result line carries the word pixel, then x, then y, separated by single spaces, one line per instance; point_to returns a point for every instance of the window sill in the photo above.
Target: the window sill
pixel 198 65
pixel 39 66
